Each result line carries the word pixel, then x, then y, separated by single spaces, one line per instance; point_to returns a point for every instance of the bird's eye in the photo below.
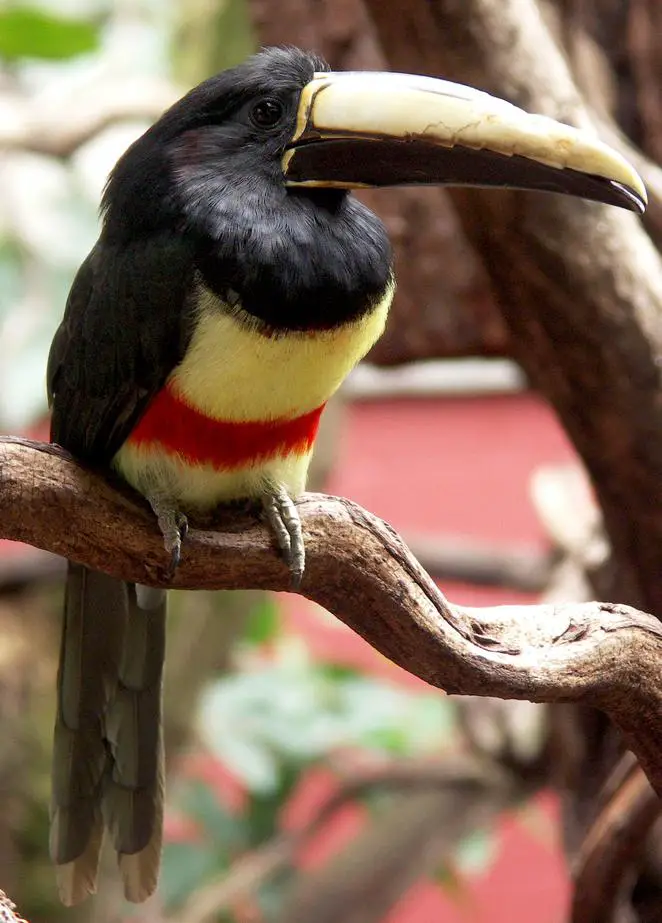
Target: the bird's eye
pixel 266 113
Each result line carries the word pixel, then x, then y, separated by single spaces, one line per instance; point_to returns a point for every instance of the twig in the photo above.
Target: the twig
pixel 247 874
pixel 251 871
pixel 415 834
pixel 60 131
pixel 611 847
pixel 459 558
pixel 601 654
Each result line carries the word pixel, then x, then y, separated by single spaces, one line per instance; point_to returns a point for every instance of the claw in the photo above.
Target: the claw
pixel 284 521
pixel 174 528
pixel 175 557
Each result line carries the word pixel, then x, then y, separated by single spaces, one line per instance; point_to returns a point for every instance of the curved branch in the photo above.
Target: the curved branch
pixel 600 654
pixel 28 126
pixel 612 845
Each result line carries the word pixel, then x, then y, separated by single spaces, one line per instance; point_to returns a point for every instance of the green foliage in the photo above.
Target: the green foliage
pixel 217 823
pixel 184 866
pixel 222 836
pixel 295 712
pixel 29 32
pixel 477 851
pixel 269 725
pixel 263 622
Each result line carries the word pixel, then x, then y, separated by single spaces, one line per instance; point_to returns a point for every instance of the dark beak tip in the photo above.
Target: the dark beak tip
pixel 631 200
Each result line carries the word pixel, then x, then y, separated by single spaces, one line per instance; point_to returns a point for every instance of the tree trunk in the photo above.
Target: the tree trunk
pixel 579 287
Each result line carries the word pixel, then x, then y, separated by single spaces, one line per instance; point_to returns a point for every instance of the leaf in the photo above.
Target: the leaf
pixel 264 809
pixel 292 713
pixel 338 671
pixel 453 883
pixel 477 852
pixel 184 867
pixel 28 32
pixel 263 622
pixel 222 829
pixel 262 817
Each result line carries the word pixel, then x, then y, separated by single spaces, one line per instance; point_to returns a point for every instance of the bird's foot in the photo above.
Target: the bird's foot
pixel 173 526
pixel 283 518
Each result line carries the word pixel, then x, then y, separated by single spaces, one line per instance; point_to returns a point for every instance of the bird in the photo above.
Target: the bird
pixel 235 283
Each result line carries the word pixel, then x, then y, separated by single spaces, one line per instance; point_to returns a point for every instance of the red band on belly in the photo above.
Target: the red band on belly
pixel 172 424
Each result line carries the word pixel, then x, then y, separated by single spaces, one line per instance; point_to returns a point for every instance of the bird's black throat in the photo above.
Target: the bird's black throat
pixel 318 260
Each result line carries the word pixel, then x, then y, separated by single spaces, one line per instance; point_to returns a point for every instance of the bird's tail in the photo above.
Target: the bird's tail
pixel 134 782
pixel 108 748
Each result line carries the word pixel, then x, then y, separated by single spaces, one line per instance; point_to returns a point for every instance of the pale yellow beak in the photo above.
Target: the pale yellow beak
pixel 381 129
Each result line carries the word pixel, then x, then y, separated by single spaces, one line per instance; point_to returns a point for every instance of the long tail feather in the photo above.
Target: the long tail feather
pixel 133 784
pixel 96 608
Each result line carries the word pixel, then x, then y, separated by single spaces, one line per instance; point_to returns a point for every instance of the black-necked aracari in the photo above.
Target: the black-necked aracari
pixel 234 285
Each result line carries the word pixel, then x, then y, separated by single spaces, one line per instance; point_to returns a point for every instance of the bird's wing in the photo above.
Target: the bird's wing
pixel 125 327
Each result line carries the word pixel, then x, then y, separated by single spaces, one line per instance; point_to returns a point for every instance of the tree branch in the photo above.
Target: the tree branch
pixel 411 838
pixel 460 784
pixel 579 285
pixel 613 844
pixel 600 654
pixel 29 126
pixel 449 557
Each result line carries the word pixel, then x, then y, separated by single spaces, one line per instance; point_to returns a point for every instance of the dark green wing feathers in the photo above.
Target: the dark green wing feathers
pixel 125 327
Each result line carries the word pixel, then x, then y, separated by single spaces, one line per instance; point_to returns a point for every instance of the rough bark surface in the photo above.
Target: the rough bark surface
pixel 580 288
pixel 601 654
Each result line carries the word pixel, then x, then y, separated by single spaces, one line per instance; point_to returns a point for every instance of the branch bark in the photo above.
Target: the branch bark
pixel 583 304
pixel 600 654
pixel 615 842
pixel 579 288
pixel 8 910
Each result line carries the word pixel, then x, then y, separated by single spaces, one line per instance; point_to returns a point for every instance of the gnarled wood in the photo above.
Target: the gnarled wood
pixel 600 654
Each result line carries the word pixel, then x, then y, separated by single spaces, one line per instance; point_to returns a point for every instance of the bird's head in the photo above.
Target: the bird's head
pixel 259 159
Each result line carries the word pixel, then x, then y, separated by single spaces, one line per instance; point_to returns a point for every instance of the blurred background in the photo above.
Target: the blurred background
pixel 309 778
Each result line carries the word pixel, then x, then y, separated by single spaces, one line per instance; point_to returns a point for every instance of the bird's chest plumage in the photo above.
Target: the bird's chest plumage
pixel 241 411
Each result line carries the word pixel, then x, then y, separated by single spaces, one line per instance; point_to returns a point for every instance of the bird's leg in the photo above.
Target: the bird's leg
pixel 284 521
pixel 173 526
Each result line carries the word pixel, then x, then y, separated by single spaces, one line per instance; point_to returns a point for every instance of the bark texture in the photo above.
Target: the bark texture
pixel 580 289
pixel 601 654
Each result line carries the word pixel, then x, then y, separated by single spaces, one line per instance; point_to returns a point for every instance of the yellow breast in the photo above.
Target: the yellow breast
pixel 232 371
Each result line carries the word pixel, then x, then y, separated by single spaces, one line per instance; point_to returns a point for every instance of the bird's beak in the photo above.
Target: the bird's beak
pixel 372 129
